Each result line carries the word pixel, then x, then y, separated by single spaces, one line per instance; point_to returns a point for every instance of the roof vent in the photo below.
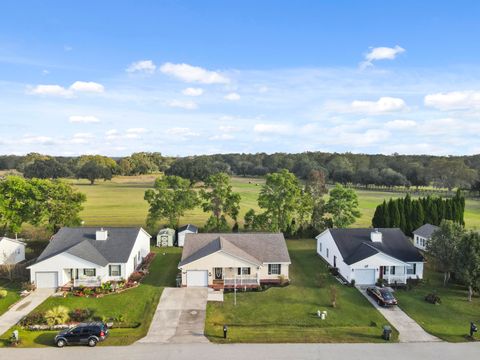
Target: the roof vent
pixel 101 234
pixel 376 236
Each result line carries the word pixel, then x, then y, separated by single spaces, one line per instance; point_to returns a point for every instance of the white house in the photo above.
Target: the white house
pixel 88 256
pixel 366 255
pixel 241 260
pixel 184 230
pixel 12 251
pixel 422 235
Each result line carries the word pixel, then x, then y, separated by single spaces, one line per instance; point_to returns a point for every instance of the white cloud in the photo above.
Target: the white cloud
pixel 181 133
pixel 222 137
pixel 193 74
pixel 228 128
pixel 189 105
pixel 57 90
pixel 67 48
pixel 50 90
pixel 192 91
pixel 136 131
pixel 232 96
pixel 381 53
pixel 382 105
pixel 87 86
pixel 145 66
pixel 88 119
pixel 279 129
pixel 454 100
pixel 111 132
pixel 400 124
pixel 41 140
pixel 81 138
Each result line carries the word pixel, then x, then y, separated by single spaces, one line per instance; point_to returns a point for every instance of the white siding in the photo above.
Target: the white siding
pixel 328 245
pixel 142 245
pixel 11 252
pixel 420 242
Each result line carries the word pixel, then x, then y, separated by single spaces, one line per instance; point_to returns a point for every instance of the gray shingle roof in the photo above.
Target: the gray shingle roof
pixel 189 227
pixel 426 230
pixel 355 245
pixel 256 248
pixel 81 242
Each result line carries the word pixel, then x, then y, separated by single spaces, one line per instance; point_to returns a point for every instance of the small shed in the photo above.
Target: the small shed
pixel 166 237
pixel 182 231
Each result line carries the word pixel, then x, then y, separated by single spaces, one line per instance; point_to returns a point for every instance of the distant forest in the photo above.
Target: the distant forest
pixel 357 169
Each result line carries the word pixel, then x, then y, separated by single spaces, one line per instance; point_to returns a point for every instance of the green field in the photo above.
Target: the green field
pixel 288 314
pixel 120 202
pixel 12 294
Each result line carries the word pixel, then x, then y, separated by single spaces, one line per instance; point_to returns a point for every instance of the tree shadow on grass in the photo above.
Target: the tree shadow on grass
pixel 45 338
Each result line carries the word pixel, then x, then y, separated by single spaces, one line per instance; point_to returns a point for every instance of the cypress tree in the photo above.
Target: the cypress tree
pixel 387 222
pixel 407 209
pixel 378 220
pixel 394 213
pixel 418 217
pixel 401 211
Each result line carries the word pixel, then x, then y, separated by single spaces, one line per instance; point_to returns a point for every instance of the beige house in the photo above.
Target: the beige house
pixel 234 260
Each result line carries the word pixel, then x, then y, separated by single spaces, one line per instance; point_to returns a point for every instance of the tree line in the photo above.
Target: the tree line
pixel 287 205
pixel 360 169
pixel 409 214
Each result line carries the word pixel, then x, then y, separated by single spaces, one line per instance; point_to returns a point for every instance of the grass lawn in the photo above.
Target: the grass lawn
pixel 450 320
pixel 120 202
pixel 289 314
pixel 136 305
pixel 12 294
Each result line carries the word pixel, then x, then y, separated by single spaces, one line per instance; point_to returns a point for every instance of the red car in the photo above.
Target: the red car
pixel 382 296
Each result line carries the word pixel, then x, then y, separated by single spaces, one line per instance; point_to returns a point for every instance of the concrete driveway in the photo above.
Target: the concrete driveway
pixel 180 317
pixel 409 330
pixel 22 308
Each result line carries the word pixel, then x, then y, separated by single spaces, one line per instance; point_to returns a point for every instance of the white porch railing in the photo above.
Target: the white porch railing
pixel 87 282
pixel 241 281
pixel 400 279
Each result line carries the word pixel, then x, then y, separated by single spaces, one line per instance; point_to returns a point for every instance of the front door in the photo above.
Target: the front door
pixel 218 273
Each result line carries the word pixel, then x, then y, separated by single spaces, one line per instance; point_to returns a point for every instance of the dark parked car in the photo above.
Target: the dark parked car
pixel 83 334
pixel 382 296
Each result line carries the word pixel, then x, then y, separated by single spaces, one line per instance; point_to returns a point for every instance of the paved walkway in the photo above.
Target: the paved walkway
pixel 22 308
pixel 420 351
pixel 180 317
pixel 409 330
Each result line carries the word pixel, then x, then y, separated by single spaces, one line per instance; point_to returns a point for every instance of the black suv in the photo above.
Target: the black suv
pixel 89 333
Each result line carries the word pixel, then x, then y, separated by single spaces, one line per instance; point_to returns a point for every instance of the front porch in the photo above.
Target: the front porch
pixel 397 274
pixel 82 278
pixel 234 278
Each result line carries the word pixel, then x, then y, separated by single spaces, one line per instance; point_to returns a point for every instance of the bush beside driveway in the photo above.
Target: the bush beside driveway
pixel 134 306
pixel 289 314
pixel 13 289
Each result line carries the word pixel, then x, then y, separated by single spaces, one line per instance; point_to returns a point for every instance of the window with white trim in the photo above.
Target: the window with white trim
pixel 274 269
pixel 89 272
pixel 115 270
pixel 412 269
pixel 243 271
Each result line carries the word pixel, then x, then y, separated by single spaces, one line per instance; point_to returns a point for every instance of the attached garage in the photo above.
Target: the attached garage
pixel 365 276
pixel 197 278
pixel 46 279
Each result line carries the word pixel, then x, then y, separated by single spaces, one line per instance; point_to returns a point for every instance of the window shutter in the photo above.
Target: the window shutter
pixel 279 269
pixel 269 269
pixel 414 269
pixel 109 270
pixel 239 271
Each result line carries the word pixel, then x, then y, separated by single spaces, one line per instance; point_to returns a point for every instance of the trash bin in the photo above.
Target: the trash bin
pixel 387 332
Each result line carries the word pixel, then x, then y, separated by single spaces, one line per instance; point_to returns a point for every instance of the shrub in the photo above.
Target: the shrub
pixel 34 318
pixel 57 315
pixel 411 283
pixel 352 282
pixel 79 315
pixel 28 286
pixel 333 295
pixel 334 271
pixel 433 298
pixel 381 282
pixel 88 291
pixel 135 276
pixel 3 293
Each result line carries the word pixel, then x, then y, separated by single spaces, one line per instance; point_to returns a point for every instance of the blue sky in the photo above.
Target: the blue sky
pixel 114 77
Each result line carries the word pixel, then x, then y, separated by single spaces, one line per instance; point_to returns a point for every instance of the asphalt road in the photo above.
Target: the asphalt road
pixel 421 351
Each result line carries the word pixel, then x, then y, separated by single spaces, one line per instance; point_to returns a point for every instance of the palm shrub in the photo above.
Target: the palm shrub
pixel 3 293
pixel 57 315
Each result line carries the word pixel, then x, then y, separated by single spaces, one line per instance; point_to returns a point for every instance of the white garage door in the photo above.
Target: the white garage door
pixel 364 277
pixel 46 279
pixel 197 278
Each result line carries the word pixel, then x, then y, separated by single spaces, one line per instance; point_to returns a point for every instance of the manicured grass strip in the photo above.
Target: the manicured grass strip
pixel 289 314
pixel 135 305
pixel 12 294
pixel 449 320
